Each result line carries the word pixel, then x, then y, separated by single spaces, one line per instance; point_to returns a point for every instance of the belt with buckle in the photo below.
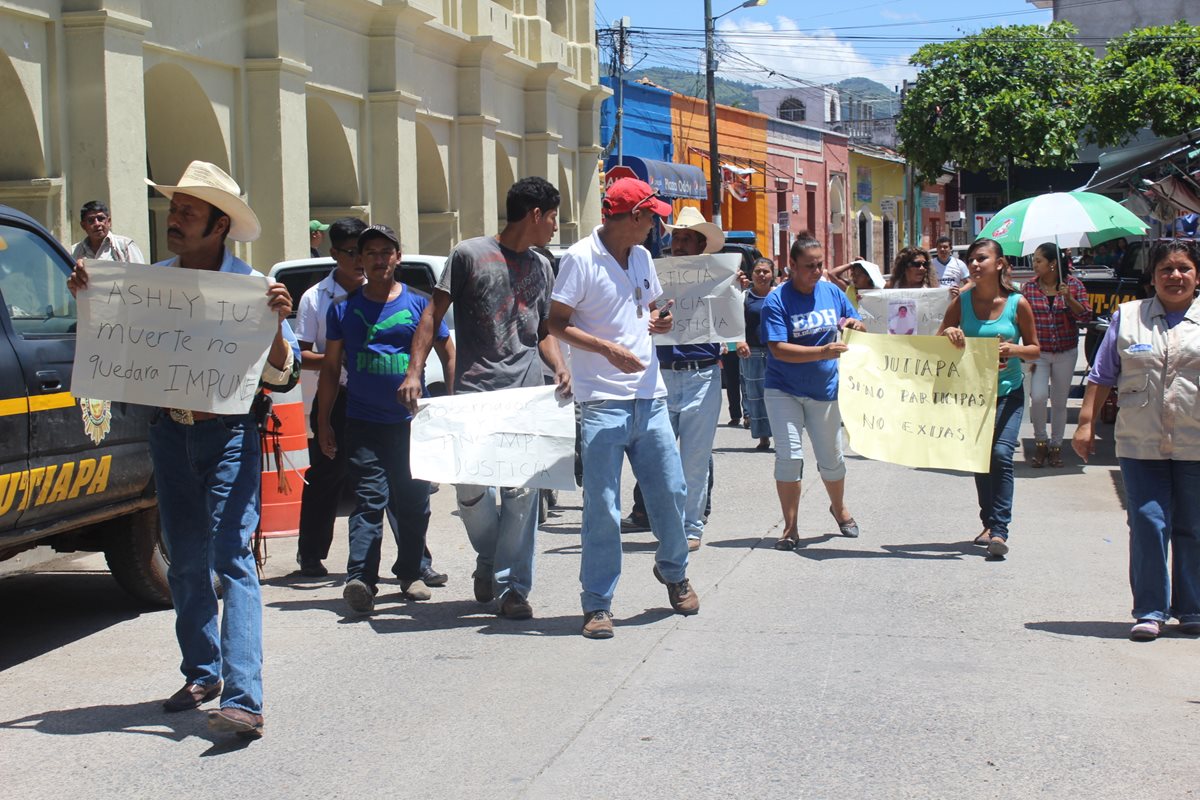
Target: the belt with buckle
pixel 185 417
pixel 678 366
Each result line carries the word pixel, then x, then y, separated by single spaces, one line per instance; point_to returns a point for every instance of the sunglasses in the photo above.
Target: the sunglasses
pixel 918 263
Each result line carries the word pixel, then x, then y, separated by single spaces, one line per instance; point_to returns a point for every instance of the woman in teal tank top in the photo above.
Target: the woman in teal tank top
pixel 993 307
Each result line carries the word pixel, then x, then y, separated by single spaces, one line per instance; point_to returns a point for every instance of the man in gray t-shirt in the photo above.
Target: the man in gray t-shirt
pixel 501 298
pixel 500 289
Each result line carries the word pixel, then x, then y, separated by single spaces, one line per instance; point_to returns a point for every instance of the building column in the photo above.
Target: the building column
pixel 588 191
pixel 542 109
pixel 106 124
pixel 276 142
pixel 391 174
pixel 473 163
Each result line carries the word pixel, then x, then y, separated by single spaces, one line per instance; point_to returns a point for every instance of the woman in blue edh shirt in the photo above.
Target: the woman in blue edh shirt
pixel 801 325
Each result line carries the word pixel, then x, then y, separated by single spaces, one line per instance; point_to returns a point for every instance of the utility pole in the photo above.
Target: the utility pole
pixel 710 80
pixel 622 25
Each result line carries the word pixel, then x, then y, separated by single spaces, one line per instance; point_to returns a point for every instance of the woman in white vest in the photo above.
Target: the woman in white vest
pixel 1151 355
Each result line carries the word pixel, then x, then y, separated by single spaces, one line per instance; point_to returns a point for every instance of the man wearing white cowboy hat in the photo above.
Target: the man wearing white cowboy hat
pixel 207 475
pixel 692 374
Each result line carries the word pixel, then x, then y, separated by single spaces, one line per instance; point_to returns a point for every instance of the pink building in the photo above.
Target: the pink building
pixel 807 170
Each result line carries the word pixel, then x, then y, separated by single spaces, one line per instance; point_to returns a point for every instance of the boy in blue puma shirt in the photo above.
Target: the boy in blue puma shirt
pixel 371 332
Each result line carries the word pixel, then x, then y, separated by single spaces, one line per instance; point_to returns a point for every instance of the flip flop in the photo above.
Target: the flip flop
pixel 786 543
pixel 983 539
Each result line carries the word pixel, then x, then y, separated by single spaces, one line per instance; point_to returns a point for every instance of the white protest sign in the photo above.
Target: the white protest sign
pixel 708 300
pixel 903 311
pixel 509 437
pixel 172 337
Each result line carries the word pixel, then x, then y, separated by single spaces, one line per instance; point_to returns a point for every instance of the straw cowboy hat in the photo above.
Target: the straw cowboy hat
pixel 210 183
pixel 690 217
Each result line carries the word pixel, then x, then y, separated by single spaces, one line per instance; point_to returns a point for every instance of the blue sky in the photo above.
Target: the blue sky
pixel 816 42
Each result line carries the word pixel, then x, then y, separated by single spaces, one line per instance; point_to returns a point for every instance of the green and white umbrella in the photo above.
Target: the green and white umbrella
pixel 1068 219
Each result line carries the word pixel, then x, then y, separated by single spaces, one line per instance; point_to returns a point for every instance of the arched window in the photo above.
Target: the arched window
pixel 792 110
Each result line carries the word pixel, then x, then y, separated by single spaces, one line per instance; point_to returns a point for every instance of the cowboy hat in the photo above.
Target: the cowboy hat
pixel 691 218
pixel 210 183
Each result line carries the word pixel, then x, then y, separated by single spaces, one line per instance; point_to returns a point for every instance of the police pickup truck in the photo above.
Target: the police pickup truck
pixel 75 473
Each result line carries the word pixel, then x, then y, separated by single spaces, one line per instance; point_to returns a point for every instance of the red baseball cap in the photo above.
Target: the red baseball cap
pixel 630 194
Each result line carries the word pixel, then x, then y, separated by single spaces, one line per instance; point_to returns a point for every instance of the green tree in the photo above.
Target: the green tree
pixel 1149 78
pixel 1004 96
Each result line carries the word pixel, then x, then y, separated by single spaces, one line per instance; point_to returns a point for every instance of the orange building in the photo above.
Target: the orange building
pixel 742 144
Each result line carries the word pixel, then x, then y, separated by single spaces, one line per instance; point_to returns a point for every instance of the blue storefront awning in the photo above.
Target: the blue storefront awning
pixel 681 181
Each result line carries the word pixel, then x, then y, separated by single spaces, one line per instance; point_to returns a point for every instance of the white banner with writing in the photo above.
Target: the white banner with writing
pixel 509 437
pixel 172 337
pixel 909 312
pixel 708 299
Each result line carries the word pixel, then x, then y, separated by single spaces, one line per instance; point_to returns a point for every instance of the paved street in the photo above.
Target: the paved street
pixel 899 665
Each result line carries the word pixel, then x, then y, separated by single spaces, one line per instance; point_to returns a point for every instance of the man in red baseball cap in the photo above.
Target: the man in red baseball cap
pixel 603 306
pixel 630 194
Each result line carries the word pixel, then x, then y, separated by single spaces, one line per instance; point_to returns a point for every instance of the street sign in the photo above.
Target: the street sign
pixel 888 206
pixel 784 220
pixel 616 173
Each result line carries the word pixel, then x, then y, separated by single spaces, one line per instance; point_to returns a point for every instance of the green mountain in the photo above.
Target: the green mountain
pixel 741 95
pixel 883 100
pixel 730 93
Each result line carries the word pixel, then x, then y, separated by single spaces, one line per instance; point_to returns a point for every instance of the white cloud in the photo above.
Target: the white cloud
pixel 818 56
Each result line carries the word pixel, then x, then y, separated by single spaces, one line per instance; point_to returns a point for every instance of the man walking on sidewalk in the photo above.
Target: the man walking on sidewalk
pixel 604 308
pixel 500 288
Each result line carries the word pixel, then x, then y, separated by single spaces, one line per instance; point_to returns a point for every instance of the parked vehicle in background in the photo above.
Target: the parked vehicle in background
pixel 418 271
pixel 75 473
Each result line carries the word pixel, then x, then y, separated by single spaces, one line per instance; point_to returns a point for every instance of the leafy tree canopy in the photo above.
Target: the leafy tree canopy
pixel 1006 92
pixel 1150 77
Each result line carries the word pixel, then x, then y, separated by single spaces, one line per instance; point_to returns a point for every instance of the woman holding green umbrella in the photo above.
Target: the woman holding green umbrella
pixel 993 307
pixel 1151 354
pixel 1059 302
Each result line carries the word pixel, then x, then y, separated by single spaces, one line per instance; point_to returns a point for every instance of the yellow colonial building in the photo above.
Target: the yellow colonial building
pixel 877 203
pixel 414 113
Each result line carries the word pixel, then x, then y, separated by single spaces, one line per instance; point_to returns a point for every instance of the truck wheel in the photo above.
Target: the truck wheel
pixel 135 555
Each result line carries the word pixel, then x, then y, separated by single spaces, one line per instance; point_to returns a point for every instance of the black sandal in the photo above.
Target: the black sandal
pixel 849 528
pixel 787 543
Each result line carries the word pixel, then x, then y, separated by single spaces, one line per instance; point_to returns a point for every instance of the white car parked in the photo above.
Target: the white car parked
pixel 418 271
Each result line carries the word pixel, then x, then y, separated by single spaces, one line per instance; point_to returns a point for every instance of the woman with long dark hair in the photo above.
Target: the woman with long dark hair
pixel 1059 307
pixel 992 307
pixel 912 270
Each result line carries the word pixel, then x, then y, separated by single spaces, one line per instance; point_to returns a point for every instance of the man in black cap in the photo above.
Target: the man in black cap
pixel 371 332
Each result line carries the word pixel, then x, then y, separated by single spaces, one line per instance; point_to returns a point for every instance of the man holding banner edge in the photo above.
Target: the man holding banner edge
pixel 501 290
pixel 207 474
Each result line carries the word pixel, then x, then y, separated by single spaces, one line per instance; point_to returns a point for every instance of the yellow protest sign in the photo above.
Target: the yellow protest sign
pixel 919 400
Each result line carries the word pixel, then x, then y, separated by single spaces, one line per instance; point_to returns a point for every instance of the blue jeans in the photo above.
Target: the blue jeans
pixel 1163 513
pixel 208 476
pixel 502 535
pixel 754 373
pixel 378 462
pixel 694 408
pixel 641 429
pixel 995 487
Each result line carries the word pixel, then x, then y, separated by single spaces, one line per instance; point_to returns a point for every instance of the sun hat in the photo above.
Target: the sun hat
pixel 210 183
pixel 692 219
pixel 629 194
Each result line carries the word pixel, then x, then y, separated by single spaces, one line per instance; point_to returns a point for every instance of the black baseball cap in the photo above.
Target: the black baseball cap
pixel 378 230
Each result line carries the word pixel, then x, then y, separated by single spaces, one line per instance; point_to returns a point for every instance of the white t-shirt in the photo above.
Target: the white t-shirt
pixel 604 298
pixel 310 327
pixel 952 273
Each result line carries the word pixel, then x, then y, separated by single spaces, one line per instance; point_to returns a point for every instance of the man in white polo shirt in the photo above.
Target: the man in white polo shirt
pixel 603 307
